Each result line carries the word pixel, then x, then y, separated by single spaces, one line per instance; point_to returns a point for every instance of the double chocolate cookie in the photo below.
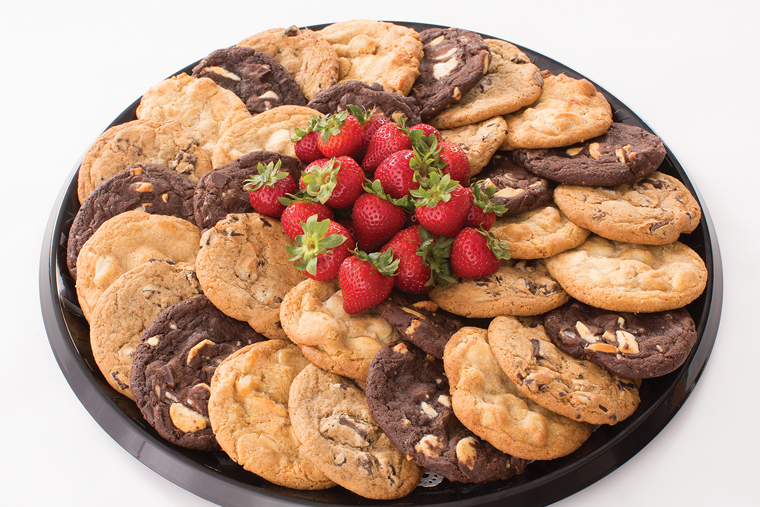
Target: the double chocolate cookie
pixel 518 190
pixel 367 96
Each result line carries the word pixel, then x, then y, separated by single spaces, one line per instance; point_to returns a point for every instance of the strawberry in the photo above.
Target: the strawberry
pixel 427 130
pixel 404 170
pixel 442 205
pixel 336 182
pixel 321 248
pixel 423 259
pixel 267 186
pixel 483 211
pixel 340 134
pixel 305 142
pixel 457 165
pixel 366 279
pixel 370 122
pixel 388 138
pixel 298 211
pixel 476 253
pixel 376 218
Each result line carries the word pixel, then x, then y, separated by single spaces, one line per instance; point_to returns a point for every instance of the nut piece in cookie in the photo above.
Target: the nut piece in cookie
pixel 632 345
pixel 620 155
pixel 490 405
pixel 257 78
pixel 367 96
pixel 578 389
pixel 454 61
pixel 408 395
pixel 517 189
pixel 173 365
pixel 332 420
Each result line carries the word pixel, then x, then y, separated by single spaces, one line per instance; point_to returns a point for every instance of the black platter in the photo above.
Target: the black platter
pixel 215 477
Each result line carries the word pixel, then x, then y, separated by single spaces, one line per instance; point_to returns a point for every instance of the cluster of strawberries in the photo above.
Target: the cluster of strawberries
pixel 380 205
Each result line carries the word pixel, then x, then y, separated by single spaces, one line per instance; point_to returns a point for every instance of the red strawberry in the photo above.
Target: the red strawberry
pixel 305 142
pixel 321 248
pixel 340 134
pixel 476 253
pixel 366 279
pixel 427 130
pixel 376 219
pixel 483 211
pixel 370 122
pixel 388 138
pixel 442 205
pixel 267 187
pixel 297 212
pixel 423 260
pixel 457 163
pixel 396 175
pixel 336 182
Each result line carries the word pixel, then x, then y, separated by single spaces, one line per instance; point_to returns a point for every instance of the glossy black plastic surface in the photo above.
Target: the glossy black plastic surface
pixel 216 478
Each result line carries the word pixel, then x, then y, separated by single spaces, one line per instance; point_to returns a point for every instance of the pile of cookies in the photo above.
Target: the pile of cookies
pixel 196 314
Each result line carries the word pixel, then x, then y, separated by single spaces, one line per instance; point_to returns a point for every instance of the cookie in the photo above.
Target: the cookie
pixel 376 51
pixel 478 140
pixel 151 188
pixel 367 96
pixel 220 192
pixel 511 82
pixel 312 316
pixel 243 268
pixel 578 389
pixel 490 405
pixel 126 309
pixel 632 345
pixel 518 190
pixel 250 414
pixel 307 57
pixel 257 78
pixel 538 233
pixel 568 111
pixel 620 155
pixel 653 210
pixel 126 241
pixel 518 287
pixel 173 364
pixel 628 277
pixel 270 131
pixel 454 60
pixel 141 142
pixel 331 418
pixel 204 109
pixel 408 395
pixel 420 321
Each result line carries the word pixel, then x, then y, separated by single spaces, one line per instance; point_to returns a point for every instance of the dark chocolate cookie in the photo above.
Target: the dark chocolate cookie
pixel 260 81
pixel 618 156
pixel 420 321
pixel 632 345
pixel 408 396
pixel 173 365
pixel 454 61
pixel 221 192
pixel 391 104
pixel 153 188
pixel 519 191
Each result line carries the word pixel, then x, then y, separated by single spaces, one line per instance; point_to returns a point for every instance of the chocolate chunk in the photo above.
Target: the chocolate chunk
pixel 518 190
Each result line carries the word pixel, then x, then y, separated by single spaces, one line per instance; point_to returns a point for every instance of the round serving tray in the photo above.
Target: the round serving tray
pixel 215 477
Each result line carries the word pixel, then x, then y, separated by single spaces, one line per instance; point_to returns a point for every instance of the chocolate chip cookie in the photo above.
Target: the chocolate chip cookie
pixel 478 140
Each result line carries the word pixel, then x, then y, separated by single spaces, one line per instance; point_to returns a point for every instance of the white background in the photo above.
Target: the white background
pixel 689 69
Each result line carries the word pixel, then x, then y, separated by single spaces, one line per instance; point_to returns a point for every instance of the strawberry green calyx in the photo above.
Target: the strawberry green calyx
pixel 311 126
pixel 320 180
pixel 330 124
pixel 267 175
pixel 482 194
pixel 314 241
pixel 434 189
pixel 436 252
pixel 384 262
pixel 361 113
pixel 498 247
pixel 376 188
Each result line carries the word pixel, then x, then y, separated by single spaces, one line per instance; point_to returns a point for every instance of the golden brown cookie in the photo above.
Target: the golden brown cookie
pixel 653 210
pixel 538 233
pixel 243 268
pixel 312 316
pixel 488 403
pixel 141 142
pixel 331 418
pixel 126 241
pixel 376 51
pixel 628 277
pixel 269 131
pixel 511 82
pixel 249 412
pixel 568 111
pixel 200 106
pixel 478 140
pixel 578 389
pixel 126 309
pixel 309 58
